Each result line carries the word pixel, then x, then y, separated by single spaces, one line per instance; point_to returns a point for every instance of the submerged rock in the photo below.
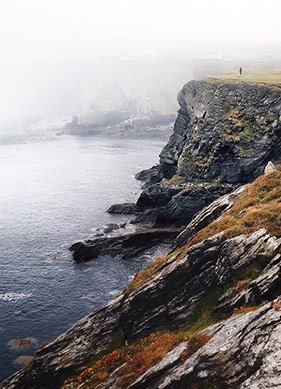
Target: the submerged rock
pixel 22 344
pixel 23 360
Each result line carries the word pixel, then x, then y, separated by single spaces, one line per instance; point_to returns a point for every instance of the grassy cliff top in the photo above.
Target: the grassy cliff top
pixel 271 77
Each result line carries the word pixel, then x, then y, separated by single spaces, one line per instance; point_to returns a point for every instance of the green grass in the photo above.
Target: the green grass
pixel 272 77
pixel 203 313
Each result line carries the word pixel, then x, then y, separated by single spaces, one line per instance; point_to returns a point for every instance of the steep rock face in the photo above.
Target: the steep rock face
pixel 225 132
pixel 223 137
pixel 216 267
pixel 168 203
pixel 165 301
pixel 243 353
pixel 207 215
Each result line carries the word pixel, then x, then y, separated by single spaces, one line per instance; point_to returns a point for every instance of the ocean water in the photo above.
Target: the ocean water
pixel 52 195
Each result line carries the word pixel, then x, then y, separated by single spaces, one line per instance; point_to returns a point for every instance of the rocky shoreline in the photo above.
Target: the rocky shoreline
pixel 214 149
pixel 207 315
pixel 124 246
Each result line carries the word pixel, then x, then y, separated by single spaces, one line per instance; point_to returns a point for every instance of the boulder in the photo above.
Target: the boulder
pixel 269 168
pixel 125 208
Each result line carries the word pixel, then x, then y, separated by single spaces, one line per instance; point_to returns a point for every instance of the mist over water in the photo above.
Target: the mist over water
pixel 40 96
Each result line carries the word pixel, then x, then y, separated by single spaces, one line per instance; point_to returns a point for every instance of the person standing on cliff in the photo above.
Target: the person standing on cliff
pixel 240 71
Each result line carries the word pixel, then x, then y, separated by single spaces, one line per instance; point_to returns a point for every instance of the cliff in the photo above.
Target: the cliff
pixel 224 135
pixel 207 315
pixel 224 132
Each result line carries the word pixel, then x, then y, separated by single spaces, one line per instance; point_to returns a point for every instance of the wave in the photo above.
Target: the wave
pixel 10 296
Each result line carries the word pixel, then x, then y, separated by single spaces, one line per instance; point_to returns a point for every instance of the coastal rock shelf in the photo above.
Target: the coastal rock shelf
pixel 124 246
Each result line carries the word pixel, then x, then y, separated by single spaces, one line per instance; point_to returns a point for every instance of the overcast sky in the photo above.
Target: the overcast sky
pixel 52 51
pixel 55 28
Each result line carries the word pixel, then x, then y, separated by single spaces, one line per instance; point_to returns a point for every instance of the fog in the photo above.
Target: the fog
pixel 68 58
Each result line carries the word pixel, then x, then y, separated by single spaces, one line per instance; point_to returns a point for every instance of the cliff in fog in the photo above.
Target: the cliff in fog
pixel 207 315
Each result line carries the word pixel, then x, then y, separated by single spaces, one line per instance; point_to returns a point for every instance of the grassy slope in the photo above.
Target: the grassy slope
pixel 258 206
pixel 271 77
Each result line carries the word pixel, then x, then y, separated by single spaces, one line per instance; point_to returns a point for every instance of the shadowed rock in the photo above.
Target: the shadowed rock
pixel 125 208
pixel 123 246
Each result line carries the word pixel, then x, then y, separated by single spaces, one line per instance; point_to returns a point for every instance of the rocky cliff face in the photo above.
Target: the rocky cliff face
pixel 225 132
pixel 223 137
pixel 183 295
pixel 207 315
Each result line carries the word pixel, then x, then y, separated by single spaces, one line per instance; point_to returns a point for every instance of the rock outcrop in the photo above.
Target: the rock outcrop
pixel 167 301
pixel 224 132
pixel 224 136
pixel 269 168
pixel 243 353
pixel 124 246
pixel 221 281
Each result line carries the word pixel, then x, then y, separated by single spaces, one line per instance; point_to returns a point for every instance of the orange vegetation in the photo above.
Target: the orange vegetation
pixel 242 284
pixel 238 311
pixel 259 206
pixel 136 359
pixel 195 343
pixel 145 274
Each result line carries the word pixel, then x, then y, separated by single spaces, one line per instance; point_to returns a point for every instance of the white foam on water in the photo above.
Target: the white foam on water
pixel 10 296
pixel 113 292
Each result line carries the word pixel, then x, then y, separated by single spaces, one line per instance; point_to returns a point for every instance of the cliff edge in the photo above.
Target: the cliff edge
pixel 207 315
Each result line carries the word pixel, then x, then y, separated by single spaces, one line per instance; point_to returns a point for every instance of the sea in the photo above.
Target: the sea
pixel 54 193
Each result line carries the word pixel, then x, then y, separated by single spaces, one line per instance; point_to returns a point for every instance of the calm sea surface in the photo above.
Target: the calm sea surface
pixel 53 194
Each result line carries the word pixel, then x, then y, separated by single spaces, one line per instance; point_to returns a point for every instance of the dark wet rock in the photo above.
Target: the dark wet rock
pixel 207 215
pixel 168 203
pixel 158 195
pixel 125 208
pixel 123 246
pixel 223 131
pixel 224 136
pixel 185 204
pixel 150 176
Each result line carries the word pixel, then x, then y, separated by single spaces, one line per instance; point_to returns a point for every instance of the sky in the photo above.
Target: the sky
pixel 55 28
pixel 52 51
